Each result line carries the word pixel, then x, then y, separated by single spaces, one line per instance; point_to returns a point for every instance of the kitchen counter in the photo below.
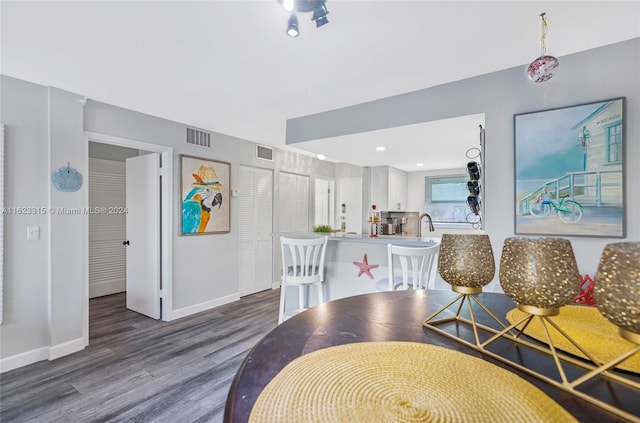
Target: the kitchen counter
pixel 409 241
pixel 346 256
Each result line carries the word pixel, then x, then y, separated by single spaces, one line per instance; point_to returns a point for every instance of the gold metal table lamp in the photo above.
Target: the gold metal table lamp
pixel 541 276
pixel 617 295
pixel 466 262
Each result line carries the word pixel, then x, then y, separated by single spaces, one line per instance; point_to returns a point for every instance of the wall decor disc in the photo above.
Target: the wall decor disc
pixel 66 179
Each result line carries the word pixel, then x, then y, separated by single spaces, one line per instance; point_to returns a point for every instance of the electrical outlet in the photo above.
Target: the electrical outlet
pixel 33 233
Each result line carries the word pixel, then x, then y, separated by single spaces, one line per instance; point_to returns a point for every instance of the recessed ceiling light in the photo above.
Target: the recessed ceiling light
pixel 419 164
pixel 321 157
pixel 381 148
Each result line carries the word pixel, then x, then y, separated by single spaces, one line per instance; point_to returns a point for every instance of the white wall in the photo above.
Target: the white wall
pixel 45 279
pixel 24 108
pixel 598 74
pixel 67 270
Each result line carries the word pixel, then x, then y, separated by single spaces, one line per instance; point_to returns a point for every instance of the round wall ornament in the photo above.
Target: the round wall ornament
pixel 66 179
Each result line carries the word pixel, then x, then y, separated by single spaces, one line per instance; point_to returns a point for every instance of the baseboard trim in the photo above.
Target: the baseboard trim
pixel 207 305
pixel 100 289
pixel 24 359
pixel 41 354
pixel 67 348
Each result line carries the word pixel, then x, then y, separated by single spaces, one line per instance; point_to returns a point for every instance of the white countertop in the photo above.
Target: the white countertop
pixel 432 238
pixel 385 239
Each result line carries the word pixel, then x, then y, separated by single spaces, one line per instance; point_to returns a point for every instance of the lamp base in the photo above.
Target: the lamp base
pixel 466 289
pixel 467 295
pixel 538 311
pixel 629 336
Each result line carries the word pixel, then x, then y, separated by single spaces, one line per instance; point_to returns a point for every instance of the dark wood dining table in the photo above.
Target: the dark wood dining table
pixel 398 316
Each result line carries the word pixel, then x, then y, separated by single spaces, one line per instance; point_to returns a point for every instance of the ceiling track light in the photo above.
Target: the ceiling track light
pixel 292 26
pixel 318 7
pixel 320 15
pixel 288 5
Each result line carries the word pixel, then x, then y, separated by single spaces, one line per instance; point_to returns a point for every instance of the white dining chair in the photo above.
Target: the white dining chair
pixel 302 266
pixel 409 267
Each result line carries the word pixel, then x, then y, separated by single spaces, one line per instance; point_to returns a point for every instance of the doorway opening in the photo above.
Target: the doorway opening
pixel 325 202
pixel 106 230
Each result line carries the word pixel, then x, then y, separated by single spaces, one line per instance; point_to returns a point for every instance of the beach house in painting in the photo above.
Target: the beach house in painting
pixel 600 135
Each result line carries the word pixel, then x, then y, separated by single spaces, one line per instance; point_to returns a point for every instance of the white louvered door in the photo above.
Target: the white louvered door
pixel 255 229
pixel 107 255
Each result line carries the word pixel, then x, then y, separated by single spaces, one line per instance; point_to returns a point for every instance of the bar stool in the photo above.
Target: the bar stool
pixel 417 266
pixel 302 266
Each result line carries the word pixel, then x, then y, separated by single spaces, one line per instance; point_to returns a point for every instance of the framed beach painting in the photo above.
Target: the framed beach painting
pixel 569 170
pixel 204 193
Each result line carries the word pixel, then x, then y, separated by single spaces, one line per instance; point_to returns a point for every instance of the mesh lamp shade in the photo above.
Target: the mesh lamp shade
pixel 540 275
pixel 466 262
pixel 617 287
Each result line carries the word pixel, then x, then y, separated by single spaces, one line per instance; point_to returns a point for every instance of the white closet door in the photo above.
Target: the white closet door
pixel 107 255
pixel 255 228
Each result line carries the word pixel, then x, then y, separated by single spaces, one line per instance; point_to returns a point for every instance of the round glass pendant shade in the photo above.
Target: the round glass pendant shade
pixel 466 260
pixel 543 68
pixel 617 285
pixel 540 273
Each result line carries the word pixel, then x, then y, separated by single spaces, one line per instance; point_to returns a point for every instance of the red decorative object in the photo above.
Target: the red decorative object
pixel 585 297
pixel 365 267
pixel 543 68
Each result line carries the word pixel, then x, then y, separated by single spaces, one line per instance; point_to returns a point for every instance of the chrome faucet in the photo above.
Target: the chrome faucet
pixel 431 228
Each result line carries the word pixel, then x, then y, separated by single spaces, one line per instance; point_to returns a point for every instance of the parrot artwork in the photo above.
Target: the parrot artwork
pixel 198 203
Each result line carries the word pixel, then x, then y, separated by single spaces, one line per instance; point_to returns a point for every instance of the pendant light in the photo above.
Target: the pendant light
pixel 544 67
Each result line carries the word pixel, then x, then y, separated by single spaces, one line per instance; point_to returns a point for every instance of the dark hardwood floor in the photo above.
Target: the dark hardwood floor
pixel 136 369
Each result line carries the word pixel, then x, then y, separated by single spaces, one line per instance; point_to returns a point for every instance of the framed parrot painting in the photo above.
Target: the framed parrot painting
pixel 204 193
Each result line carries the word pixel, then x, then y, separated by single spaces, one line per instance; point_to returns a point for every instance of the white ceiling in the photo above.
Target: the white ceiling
pixel 228 66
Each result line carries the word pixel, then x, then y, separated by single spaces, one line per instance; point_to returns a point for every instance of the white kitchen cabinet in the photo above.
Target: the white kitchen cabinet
pixel 388 188
pixel 397 189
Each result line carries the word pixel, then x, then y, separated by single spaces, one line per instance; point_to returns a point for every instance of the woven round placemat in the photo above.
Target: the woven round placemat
pixel 589 329
pixel 400 382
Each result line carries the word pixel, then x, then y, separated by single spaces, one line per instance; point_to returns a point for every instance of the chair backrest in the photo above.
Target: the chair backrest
pixel 303 260
pixel 418 265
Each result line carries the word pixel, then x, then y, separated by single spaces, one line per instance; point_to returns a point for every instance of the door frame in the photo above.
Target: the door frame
pixel 166 220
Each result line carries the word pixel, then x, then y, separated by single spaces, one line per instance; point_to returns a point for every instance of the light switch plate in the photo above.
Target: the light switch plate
pixel 33 233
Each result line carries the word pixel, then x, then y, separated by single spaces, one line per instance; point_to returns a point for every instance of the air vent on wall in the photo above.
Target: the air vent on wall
pixel 197 137
pixel 264 153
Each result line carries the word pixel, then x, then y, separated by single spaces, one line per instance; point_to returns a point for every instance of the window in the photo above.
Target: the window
pixel 446 198
pixel 613 140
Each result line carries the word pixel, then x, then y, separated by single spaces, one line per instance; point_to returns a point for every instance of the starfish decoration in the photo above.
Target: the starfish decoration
pixel 365 267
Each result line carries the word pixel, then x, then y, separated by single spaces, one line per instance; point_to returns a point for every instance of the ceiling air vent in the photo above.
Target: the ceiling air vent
pixel 264 153
pixel 199 138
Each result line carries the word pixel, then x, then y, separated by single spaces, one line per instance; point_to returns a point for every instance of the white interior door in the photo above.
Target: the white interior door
pixel 143 234
pixel 255 229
